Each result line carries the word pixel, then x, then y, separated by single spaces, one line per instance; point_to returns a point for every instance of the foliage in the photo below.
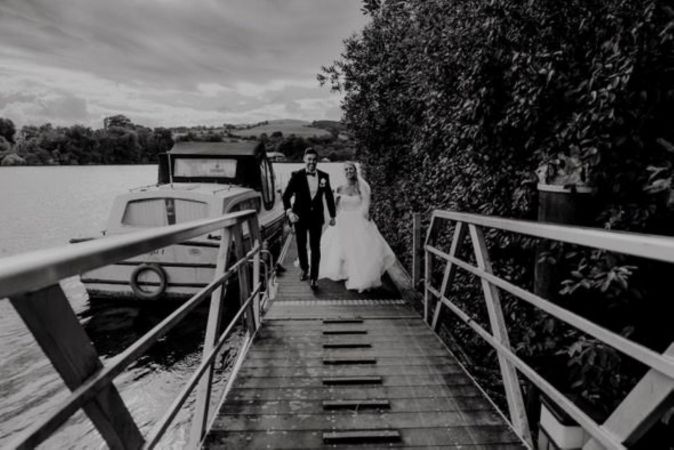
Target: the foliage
pixel 119 142
pixel 7 130
pixel 455 104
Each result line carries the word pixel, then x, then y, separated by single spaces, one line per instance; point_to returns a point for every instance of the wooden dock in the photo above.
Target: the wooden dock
pixel 338 368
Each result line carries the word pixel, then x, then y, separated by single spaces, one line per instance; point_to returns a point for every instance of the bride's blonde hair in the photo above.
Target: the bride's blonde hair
pixel 362 187
pixel 357 184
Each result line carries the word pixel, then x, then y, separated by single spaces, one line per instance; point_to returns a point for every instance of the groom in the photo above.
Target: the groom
pixel 309 186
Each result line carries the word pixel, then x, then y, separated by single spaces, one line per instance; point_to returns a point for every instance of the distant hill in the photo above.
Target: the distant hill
pixel 299 128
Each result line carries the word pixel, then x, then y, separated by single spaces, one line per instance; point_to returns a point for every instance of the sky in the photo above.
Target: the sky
pixel 170 62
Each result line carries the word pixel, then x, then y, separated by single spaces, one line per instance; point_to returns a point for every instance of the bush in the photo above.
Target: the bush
pixel 454 104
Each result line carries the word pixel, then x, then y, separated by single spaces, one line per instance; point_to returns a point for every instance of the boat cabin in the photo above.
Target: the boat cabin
pixel 236 162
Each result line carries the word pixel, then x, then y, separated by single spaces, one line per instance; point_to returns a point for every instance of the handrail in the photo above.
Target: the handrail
pixel 32 279
pixel 89 389
pixel 646 246
pixel 635 244
pixel 41 268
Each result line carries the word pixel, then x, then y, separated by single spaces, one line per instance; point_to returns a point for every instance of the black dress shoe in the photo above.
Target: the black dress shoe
pixel 280 268
pixel 313 284
pixel 303 275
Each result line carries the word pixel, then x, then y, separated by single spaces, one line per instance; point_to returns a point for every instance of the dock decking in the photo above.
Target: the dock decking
pixel 338 368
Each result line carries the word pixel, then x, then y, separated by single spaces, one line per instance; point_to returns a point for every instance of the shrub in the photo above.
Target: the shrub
pixel 454 104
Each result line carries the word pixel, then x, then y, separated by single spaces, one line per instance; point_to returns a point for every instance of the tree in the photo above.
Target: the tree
pixel 119 121
pixel 7 129
pixel 455 104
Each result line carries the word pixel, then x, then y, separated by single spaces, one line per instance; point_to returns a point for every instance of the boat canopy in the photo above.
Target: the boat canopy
pixel 232 148
pixel 235 162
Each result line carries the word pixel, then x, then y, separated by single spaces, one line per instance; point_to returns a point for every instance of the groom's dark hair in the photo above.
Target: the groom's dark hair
pixel 310 151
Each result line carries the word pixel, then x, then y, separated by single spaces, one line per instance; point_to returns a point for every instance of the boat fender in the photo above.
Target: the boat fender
pixel 144 294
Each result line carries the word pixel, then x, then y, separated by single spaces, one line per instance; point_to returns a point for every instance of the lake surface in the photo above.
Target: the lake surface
pixel 42 207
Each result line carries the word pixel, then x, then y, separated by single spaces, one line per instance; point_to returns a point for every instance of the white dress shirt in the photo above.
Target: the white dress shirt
pixel 312 181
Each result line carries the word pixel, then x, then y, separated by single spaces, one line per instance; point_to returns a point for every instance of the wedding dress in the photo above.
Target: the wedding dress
pixel 353 249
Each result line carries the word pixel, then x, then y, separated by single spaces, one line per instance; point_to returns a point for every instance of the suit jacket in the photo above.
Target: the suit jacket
pixel 309 210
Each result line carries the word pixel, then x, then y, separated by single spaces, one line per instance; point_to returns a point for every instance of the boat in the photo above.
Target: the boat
pixel 196 180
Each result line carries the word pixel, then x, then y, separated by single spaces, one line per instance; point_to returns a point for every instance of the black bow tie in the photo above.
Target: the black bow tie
pixel 311 174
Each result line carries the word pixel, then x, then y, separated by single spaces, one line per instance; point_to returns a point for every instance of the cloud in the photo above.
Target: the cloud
pixel 169 62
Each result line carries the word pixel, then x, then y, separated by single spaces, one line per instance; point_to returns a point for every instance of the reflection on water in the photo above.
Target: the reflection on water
pixel 46 207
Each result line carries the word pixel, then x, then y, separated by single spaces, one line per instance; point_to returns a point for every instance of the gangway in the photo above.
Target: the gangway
pixel 333 368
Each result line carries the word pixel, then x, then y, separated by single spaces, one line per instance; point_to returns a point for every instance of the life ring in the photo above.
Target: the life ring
pixel 145 294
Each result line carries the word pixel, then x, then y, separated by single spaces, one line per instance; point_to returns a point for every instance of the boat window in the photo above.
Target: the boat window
pixel 204 167
pixel 251 203
pixel 157 212
pixel 267 186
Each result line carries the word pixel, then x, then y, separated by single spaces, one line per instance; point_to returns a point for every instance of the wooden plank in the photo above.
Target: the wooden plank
pixel 203 390
pixel 353 405
pixel 343 370
pixel 341 345
pixel 348 361
pixel 55 327
pixel 363 420
pixel 403 347
pixel 356 353
pixel 457 438
pixel 328 381
pixel 330 321
pixel 460 388
pixel 361 437
pixel 518 416
pixel 341 406
pixel 423 379
pixel 380 360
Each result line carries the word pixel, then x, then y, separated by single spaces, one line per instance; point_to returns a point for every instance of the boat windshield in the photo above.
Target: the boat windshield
pixel 205 167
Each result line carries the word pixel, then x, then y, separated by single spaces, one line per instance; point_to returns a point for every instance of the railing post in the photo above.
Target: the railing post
pixel 203 390
pixel 417 250
pixel 450 268
pixel 243 273
pixel 53 323
pixel 513 391
pixel 428 266
pixel 256 280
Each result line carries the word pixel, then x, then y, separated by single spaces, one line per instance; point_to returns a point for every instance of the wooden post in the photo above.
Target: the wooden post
pixel 428 267
pixel 450 269
pixel 57 330
pixel 417 249
pixel 203 390
pixel 256 280
pixel 243 273
pixel 518 415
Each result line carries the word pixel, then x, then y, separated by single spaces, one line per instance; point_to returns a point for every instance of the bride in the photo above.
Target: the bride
pixel 354 250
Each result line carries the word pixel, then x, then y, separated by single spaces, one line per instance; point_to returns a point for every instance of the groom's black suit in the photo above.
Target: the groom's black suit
pixel 310 212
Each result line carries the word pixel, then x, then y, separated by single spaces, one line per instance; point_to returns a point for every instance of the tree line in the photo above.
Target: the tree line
pixel 119 142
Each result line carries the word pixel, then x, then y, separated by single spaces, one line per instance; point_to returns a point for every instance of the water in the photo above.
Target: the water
pixel 43 207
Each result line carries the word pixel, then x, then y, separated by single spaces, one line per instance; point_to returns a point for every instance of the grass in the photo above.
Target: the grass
pixel 299 128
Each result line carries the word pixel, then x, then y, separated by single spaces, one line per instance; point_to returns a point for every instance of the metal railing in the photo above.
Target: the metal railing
pixel 643 402
pixel 31 282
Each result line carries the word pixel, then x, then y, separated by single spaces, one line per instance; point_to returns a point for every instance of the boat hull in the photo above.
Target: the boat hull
pixel 187 267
